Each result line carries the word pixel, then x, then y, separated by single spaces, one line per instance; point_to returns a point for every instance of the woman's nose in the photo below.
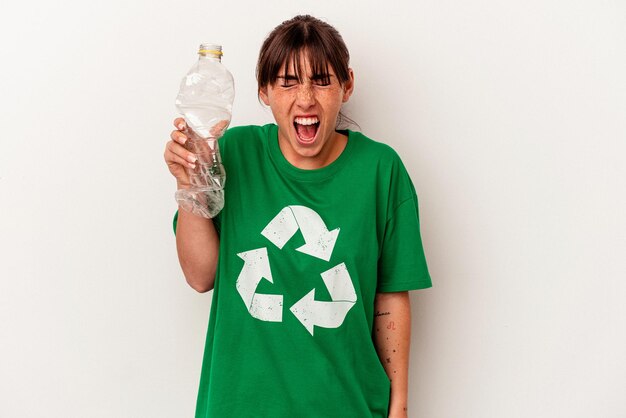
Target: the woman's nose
pixel 305 96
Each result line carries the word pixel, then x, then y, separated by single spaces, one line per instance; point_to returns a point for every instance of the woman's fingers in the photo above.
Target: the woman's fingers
pixel 179 160
pixel 180 124
pixel 176 160
pixel 179 137
pixel 179 134
pixel 176 153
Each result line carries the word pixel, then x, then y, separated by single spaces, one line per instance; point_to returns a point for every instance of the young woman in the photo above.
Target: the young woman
pixel 313 254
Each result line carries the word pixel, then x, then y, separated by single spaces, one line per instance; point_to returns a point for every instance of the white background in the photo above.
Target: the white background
pixel 510 116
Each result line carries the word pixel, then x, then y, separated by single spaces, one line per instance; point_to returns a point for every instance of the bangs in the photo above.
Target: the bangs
pixel 285 52
pixel 317 60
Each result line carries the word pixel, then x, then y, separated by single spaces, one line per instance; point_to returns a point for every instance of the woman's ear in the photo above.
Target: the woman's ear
pixel 348 86
pixel 263 95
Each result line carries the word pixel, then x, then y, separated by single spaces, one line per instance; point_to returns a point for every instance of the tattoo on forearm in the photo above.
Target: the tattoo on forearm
pixel 378 313
pixel 391 326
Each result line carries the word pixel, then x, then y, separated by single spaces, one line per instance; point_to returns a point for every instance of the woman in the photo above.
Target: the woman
pixel 313 255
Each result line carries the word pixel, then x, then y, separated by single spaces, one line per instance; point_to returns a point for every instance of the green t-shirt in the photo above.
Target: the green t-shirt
pixel 302 255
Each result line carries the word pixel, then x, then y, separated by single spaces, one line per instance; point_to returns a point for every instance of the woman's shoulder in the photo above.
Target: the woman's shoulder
pixel 371 148
pixel 384 163
pixel 246 131
pixel 244 138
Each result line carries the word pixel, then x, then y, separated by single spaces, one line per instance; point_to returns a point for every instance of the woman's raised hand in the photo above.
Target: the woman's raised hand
pixel 177 157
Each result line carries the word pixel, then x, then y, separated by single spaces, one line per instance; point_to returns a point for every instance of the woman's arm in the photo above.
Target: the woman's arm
pixel 197 241
pixel 392 337
pixel 198 246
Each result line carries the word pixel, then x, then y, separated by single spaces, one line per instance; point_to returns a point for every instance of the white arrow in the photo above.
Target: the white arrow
pixel 281 228
pixel 319 242
pixel 256 268
pixel 311 312
pixel 339 283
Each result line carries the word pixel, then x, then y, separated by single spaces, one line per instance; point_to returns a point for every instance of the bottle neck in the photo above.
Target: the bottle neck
pixel 208 57
pixel 210 52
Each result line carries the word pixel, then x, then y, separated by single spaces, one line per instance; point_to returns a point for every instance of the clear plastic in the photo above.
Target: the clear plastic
pixel 205 100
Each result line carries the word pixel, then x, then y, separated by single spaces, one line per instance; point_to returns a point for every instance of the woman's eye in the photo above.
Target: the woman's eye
pixel 321 80
pixel 324 81
pixel 289 83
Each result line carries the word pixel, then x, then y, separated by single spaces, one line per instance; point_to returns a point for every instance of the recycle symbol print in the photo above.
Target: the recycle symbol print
pixel 318 242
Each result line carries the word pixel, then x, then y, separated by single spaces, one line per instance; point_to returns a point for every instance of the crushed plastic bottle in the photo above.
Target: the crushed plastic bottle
pixel 205 100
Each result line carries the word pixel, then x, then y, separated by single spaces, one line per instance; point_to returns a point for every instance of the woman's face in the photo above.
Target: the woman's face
pixel 306 113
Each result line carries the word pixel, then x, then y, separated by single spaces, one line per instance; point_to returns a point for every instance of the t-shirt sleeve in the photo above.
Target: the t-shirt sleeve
pixel 402 263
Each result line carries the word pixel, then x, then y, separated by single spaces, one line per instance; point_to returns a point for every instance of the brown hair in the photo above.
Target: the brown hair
pixel 321 42
pixel 285 44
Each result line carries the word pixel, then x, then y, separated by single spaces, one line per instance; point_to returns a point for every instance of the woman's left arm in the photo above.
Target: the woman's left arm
pixel 392 338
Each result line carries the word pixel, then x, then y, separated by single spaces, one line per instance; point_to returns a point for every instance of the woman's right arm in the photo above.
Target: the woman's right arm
pixel 197 241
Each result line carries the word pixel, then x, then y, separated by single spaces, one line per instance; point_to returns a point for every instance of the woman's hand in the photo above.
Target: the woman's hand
pixel 177 157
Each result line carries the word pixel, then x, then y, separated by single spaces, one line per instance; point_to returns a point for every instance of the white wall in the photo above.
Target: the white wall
pixel 511 119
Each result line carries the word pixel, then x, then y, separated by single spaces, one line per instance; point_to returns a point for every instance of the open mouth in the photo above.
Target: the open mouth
pixel 306 129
